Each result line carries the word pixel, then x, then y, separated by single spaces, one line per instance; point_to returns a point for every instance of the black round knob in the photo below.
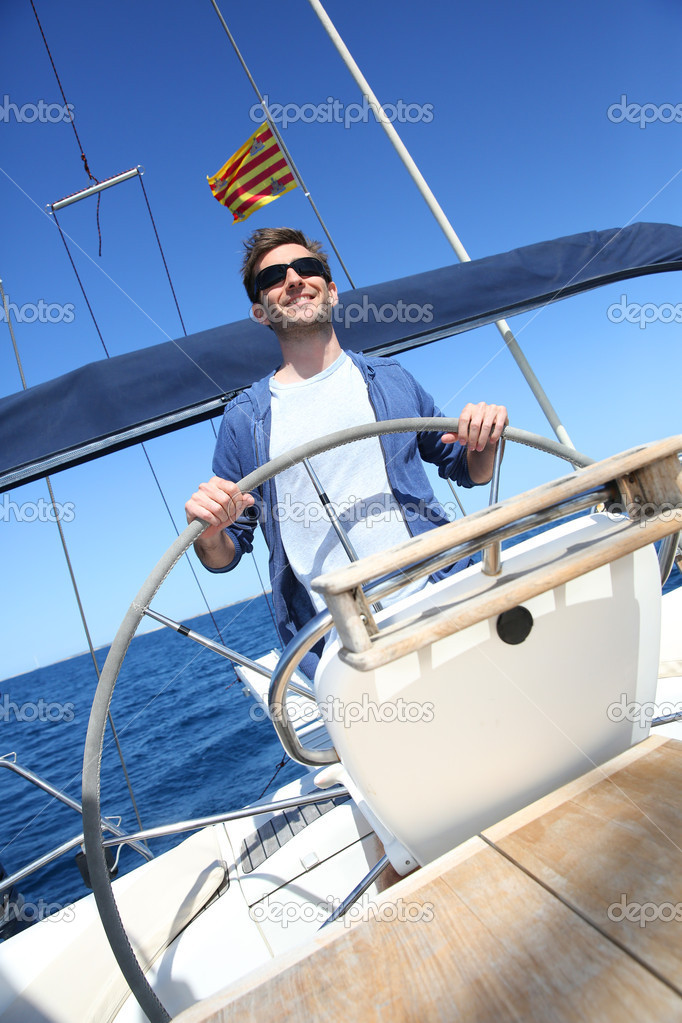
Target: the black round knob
pixel 514 626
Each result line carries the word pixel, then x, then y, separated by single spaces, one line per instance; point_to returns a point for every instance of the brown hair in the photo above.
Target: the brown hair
pixel 267 238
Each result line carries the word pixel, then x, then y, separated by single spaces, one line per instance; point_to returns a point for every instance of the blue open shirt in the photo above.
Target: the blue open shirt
pixel 244 443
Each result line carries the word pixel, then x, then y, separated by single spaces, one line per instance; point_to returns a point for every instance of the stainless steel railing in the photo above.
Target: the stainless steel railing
pixel 9 761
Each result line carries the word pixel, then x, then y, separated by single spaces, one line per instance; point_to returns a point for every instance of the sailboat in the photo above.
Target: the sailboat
pixel 239 903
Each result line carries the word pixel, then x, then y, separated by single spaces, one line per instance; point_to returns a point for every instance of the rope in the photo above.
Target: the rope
pixel 67 107
pixel 277 770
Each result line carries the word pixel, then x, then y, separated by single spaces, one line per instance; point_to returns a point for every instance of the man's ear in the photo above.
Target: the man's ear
pixel 259 313
pixel 333 293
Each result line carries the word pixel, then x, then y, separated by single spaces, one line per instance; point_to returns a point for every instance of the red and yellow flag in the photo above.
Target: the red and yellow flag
pixel 254 176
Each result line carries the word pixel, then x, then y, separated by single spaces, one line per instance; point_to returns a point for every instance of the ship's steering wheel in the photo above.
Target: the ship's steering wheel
pixel 99 873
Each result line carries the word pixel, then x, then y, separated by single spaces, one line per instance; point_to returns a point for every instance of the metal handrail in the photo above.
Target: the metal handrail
pixel 359 890
pixel 321 623
pixel 562 509
pixel 234 815
pixel 220 648
pixel 492 555
pixel 668 552
pixel 65 847
pixel 292 654
pixel 42 861
pixel 97 863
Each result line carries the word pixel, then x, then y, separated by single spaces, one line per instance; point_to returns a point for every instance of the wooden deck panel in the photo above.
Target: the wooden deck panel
pixel 526 938
pixel 618 843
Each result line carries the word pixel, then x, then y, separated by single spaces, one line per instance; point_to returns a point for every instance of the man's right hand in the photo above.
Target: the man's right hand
pixel 218 502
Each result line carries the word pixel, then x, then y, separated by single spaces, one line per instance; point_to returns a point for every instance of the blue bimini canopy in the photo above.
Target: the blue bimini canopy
pixel 113 403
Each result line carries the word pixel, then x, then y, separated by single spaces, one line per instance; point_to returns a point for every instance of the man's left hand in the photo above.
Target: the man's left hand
pixel 480 428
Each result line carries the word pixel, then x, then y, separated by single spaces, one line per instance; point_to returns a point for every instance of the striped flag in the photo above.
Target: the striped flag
pixel 254 176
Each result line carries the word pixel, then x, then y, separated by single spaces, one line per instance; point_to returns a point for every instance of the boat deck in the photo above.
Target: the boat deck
pixel 570 909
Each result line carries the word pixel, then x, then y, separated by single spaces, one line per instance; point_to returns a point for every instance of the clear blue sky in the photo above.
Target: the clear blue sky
pixel 519 148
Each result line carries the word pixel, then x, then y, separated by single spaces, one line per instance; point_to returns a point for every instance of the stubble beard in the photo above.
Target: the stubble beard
pixel 302 321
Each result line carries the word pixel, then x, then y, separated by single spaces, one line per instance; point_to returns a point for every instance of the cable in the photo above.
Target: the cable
pixel 70 569
pixel 68 108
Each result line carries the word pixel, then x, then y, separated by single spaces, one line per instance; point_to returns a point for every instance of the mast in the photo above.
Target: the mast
pixel 441 219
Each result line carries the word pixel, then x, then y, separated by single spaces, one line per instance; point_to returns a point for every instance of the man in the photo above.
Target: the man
pixel 381 486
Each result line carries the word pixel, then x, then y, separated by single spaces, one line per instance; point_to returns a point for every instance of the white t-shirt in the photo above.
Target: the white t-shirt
pixel 353 476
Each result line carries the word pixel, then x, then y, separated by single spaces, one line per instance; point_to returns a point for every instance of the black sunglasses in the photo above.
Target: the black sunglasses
pixel 305 266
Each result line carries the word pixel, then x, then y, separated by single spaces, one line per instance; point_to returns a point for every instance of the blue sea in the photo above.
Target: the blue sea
pixel 183 722
pixel 190 747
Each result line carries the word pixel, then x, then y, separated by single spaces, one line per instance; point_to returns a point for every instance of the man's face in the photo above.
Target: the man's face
pixel 295 301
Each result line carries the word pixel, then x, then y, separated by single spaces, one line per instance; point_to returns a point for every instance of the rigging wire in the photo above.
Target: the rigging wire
pixel 80 283
pixel 267 600
pixel 74 584
pixel 69 109
pixel 91 176
pixel 163 257
pixel 215 433
pixel 280 141
pixel 142 445
pixel 144 449
pixel 297 174
pixel 439 215
pixel 279 767
pixel 255 565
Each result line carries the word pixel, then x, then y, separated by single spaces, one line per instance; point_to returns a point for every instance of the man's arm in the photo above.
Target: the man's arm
pixel 480 428
pixel 220 503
